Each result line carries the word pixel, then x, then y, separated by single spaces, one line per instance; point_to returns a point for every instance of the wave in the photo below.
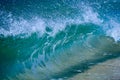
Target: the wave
pixel 76 45
pixel 41 42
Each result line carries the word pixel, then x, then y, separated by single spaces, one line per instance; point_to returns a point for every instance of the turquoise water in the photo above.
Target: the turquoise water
pixel 45 40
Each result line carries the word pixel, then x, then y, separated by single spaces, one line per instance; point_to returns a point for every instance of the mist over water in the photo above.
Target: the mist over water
pixel 52 40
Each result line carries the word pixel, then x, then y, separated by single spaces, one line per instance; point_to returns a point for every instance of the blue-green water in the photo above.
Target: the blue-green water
pixel 45 40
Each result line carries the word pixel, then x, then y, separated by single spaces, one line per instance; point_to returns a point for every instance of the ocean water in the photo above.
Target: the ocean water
pixel 58 39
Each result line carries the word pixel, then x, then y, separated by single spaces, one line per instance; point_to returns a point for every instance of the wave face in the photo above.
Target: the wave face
pixel 56 40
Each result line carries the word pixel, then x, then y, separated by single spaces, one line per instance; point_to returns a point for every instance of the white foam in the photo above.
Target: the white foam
pixel 91 16
pixel 22 26
pixel 113 30
pixel 26 27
